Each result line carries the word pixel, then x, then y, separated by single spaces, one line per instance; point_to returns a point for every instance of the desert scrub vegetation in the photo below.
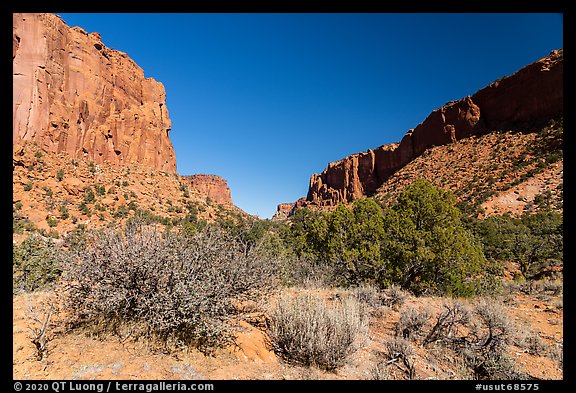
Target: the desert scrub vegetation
pixel 476 335
pixel 171 289
pixel 309 330
pixel 36 264
pixel 40 328
pixel 535 241
pixel 21 224
pixel 423 244
pixel 411 322
pixel 484 349
pixel 419 243
pixel 400 349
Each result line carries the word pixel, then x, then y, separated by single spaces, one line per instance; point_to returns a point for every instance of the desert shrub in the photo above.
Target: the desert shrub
pixel 369 295
pixel 484 348
pixel 490 281
pixel 76 240
pixel 190 225
pixel 143 216
pixel 100 189
pixel 28 186
pixel 164 287
pixel 64 213
pixel 533 344
pixel 20 224
pixel 549 142
pixel 446 328
pixel 35 263
pixel 309 330
pixel 52 233
pixel 554 287
pixel 394 296
pixel 121 212
pixel 40 327
pixel 379 372
pixel 494 330
pixel 52 221
pixel 400 348
pixel 262 236
pixel 411 322
pixel 89 196
pixel 490 364
pixel 60 174
pixel 84 209
pixel 305 271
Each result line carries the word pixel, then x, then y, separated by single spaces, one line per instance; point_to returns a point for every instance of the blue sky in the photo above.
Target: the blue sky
pixel 266 100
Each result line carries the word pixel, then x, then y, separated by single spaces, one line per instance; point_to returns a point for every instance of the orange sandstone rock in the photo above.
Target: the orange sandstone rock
pixel 73 94
pixel 530 96
pixel 215 187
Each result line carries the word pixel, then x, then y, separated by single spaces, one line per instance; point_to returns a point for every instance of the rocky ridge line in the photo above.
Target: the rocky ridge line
pixel 527 98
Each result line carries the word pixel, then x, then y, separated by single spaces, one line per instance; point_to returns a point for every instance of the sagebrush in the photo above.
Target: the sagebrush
pixel 164 286
pixel 308 329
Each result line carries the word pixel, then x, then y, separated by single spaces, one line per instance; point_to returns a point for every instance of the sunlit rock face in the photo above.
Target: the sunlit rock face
pixel 73 94
pixel 530 96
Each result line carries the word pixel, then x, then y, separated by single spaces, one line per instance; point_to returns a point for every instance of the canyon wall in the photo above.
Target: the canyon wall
pixel 214 187
pixel 523 100
pixel 73 94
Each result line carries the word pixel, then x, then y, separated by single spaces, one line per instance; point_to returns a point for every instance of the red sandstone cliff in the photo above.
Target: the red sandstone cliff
pixel 531 95
pixel 73 94
pixel 215 187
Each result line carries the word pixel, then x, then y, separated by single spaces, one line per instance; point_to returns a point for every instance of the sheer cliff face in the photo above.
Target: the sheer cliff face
pixel 214 187
pixel 531 95
pixel 73 94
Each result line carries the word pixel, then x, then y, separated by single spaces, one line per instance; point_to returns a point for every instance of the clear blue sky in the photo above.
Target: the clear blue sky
pixel 266 100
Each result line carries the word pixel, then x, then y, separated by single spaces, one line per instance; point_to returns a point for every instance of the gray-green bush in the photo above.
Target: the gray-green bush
pixel 310 330
pixel 411 322
pixel 165 287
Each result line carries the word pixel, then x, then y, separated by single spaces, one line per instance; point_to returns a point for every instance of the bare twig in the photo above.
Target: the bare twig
pixel 40 338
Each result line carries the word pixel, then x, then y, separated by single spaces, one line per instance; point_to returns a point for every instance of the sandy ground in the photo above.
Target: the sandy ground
pixel 74 355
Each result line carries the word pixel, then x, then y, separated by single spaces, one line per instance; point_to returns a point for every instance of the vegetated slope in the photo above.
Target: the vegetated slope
pixel 501 172
pixel 523 101
pixel 54 193
pixel 90 137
